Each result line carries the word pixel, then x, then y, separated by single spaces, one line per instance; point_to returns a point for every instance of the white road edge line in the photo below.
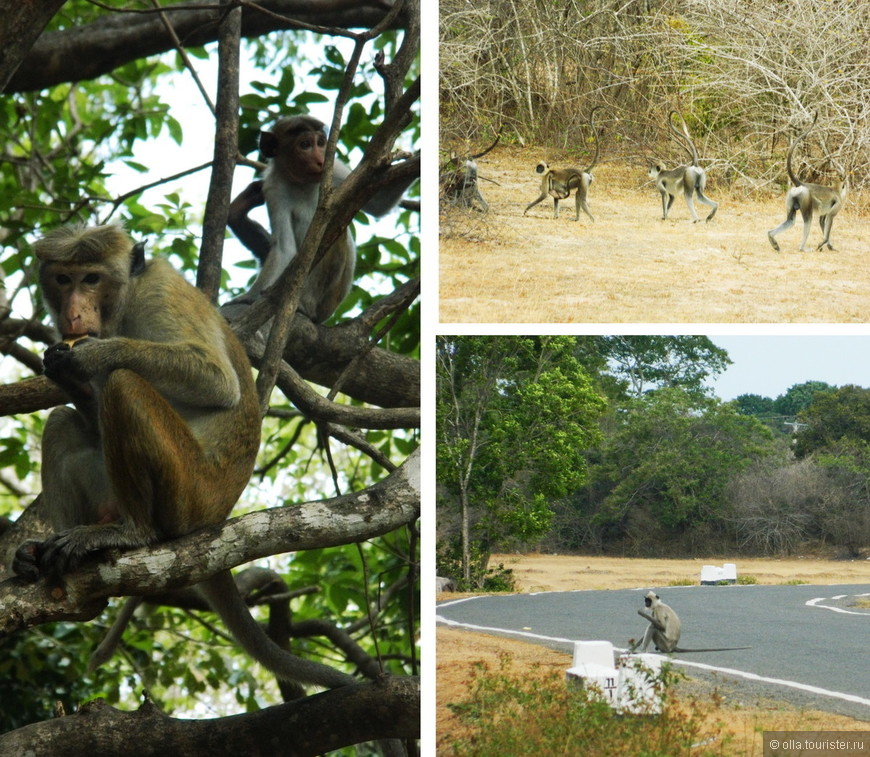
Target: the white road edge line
pixel 703 666
pixel 815 603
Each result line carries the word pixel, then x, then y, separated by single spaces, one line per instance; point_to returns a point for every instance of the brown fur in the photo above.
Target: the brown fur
pixel 166 427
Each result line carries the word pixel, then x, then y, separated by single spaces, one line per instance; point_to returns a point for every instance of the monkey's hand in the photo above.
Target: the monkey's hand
pixel 656 624
pixel 25 564
pixel 63 367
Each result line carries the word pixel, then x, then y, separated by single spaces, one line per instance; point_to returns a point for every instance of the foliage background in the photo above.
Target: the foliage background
pixel 656 465
pixel 73 152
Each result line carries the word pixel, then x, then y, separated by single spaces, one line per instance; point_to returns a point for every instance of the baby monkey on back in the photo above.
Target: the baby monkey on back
pixel 559 182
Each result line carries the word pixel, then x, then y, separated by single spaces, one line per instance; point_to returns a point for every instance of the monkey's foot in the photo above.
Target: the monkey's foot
pixel 64 552
pixel 25 563
pixel 773 242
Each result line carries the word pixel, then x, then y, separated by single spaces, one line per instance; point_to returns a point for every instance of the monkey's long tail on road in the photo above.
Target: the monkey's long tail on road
pixel 716 649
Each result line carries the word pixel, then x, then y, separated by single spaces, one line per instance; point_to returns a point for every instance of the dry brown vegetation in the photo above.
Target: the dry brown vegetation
pixel 630 266
pixel 536 572
pixel 741 721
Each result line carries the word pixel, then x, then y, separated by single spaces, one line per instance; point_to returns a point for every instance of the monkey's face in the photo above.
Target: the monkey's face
pixel 76 296
pixel 650 598
pixel 655 170
pixel 299 155
pixel 309 148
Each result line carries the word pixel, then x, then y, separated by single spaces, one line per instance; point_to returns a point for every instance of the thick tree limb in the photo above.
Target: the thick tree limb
pixel 30 395
pixel 313 405
pixel 22 25
pixel 388 708
pixel 86 52
pixel 386 506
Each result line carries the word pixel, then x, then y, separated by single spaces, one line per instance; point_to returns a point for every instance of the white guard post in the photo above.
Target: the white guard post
pixel 593 665
pixel 637 692
pixel 713 574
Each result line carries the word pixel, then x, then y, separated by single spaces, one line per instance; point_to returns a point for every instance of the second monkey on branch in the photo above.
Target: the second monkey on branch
pixel 290 189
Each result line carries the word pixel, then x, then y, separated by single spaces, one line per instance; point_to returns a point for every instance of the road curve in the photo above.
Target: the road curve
pixel 809 643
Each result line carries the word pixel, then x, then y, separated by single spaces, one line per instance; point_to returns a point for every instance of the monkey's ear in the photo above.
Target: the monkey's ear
pixel 268 144
pixel 137 259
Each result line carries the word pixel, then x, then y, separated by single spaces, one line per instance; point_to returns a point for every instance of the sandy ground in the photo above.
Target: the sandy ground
pixel 743 721
pixel 630 266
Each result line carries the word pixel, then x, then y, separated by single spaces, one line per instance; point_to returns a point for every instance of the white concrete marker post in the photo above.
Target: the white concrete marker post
pixel 713 574
pixel 593 667
pixel 638 691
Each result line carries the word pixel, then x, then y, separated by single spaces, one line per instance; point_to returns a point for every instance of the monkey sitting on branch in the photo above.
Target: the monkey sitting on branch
pixel 664 628
pixel 559 182
pixel 689 180
pixel 290 188
pixel 165 427
pixel 806 198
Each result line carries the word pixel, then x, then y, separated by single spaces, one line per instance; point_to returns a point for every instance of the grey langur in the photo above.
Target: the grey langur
pixel 689 180
pixel 808 197
pixel 559 182
pixel 664 628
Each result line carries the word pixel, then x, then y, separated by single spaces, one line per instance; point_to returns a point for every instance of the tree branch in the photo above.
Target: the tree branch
pixel 208 276
pixel 85 52
pixel 384 507
pixel 388 708
pixel 318 353
pixel 319 408
pixel 22 25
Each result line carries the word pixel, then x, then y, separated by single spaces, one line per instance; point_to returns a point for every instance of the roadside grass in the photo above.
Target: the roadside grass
pixel 532 712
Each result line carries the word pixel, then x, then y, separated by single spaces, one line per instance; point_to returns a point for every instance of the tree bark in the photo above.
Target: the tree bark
pixel 86 52
pixel 22 25
pixel 388 708
pixel 379 509
pixel 318 353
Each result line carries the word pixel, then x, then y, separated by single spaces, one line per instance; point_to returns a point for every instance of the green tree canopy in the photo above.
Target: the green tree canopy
pixel 515 416
pixel 799 397
pixel 753 404
pixel 834 417
pixel 93 130
pixel 647 363
pixel 672 460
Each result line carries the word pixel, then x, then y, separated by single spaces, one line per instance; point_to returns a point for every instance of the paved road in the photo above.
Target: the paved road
pixel 808 645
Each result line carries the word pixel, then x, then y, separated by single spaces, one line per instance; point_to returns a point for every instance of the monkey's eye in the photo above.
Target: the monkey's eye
pixel 91 278
pixel 63 279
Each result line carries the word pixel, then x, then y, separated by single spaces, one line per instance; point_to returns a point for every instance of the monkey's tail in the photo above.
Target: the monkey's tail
pixel 223 596
pixel 596 135
pixel 788 167
pixel 717 649
pixel 683 139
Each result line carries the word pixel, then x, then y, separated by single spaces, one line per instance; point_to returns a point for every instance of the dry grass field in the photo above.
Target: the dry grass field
pixel 740 720
pixel 632 267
